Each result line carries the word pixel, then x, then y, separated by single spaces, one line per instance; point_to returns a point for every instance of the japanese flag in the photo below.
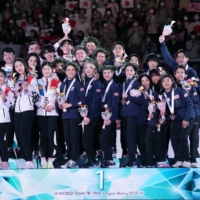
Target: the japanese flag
pixel 127 3
pixel 85 4
pixel 21 23
pixel 70 5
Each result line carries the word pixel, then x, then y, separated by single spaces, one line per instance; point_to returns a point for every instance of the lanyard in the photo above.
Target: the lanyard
pixel 108 87
pixel 171 107
pixel 128 88
pixel 186 67
pixel 69 88
pixel 86 93
pixel 118 72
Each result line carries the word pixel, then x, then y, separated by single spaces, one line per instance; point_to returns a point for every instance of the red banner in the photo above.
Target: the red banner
pixel 194 7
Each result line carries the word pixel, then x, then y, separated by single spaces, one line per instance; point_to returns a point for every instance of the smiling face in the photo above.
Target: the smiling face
pixel 70 72
pixel 180 74
pixel 8 57
pixel 155 79
pixel 129 72
pixel 49 56
pixel 107 74
pixel 80 55
pixel 100 58
pixel 167 83
pixel 152 64
pixel 134 60
pixel 46 71
pixel 89 69
pixel 145 82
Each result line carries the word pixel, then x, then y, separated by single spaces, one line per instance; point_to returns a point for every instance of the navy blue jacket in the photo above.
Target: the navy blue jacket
pixel 112 99
pixel 143 111
pixel 76 95
pixel 117 78
pixel 195 99
pixel 93 99
pixel 173 64
pixel 183 105
pixel 132 109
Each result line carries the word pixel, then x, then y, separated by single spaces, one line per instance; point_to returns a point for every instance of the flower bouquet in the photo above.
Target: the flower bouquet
pixel 162 107
pixel 186 85
pixel 162 71
pixel 137 93
pixel 151 107
pixel 66 26
pixel 32 71
pixel 120 60
pixel 106 115
pixel 83 110
pixel 61 98
pixel 167 30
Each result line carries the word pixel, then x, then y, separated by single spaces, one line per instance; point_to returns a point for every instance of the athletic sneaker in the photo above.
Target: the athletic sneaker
pixel 177 164
pixel 91 164
pixel 44 164
pixel 50 165
pixel 27 165
pixel 11 153
pixel 150 166
pixel 194 165
pixel 130 165
pixel 114 152
pixel 83 155
pixel 99 154
pixel 186 164
pixel 162 165
pixel 4 166
pixel 71 164
pixel 109 164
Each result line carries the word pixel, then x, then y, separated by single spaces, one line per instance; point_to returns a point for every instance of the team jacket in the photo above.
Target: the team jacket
pixel 7 69
pixel 112 99
pixel 50 93
pixel 4 106
pixel 173 64
pixel 144 112
pixel 183 105
pixel 132 108
pixel 76 95
pixel 93 98
pixel 26 100
pixel 119 75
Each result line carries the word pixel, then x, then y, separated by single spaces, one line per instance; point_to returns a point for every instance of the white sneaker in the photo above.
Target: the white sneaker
pixel 194 165
pixel 186 164
pixel 72 164
pixel 27 165
pixel 44 164
pixel 50 165
pixel 177 164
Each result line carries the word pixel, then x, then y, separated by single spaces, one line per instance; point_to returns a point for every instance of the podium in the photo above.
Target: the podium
pixel 100 183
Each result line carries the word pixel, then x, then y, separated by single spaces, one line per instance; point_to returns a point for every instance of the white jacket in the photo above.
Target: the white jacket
pixel 53 84
pixel 7 69
pixel 4 106
pixel 26 100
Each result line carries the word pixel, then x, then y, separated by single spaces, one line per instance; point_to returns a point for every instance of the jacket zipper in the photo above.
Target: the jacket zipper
pixel 19 104
pixel 4 112
pixel 29 101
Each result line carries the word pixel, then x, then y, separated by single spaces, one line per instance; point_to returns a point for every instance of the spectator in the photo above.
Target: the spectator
pixel 152 20
pixel 135 35
pixel 108 35
pixel 193 46
pixel 114 7
pixel 148 47
pixel 163 13
pixel 83 25
pixel 194 26
pixel 174 44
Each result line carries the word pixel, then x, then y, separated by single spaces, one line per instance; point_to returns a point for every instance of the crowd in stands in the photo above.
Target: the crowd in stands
pixel 23 21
